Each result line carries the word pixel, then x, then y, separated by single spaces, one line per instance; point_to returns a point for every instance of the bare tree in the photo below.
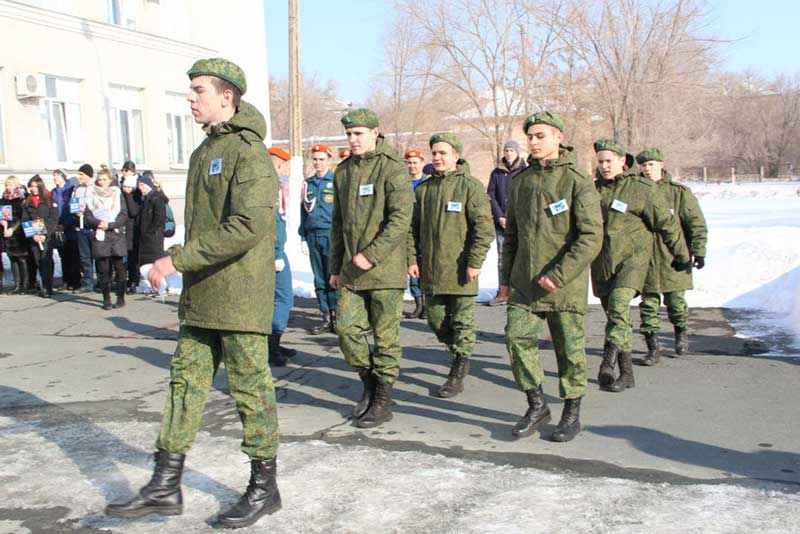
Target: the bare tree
pixel 321 107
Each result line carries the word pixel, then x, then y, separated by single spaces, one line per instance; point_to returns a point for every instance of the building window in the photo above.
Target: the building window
pixel 2 132
pixel 62 110
pixel 127 125
pixel 121 13
pixel 183 134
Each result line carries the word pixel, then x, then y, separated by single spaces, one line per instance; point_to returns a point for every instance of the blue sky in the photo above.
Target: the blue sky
pixel 331 33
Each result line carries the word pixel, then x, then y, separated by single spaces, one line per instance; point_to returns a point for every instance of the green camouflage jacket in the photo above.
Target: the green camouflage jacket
pixel 372 206
pixel 632 212
pixel 661 276
pixel 553 228
pixel 228 252
pixel 452 226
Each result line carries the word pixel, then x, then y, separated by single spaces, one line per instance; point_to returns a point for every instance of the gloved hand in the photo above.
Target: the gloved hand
pixel 699 261
pixel 280 265
pixel 679 266
pixel 304 248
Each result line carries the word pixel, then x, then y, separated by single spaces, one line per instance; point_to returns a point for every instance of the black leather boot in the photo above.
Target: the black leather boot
pixel 120 303
pixel 162 495
pixel 455 380
pixel 538 414
pixel 419 305
pixel 570 423
pixel 17 281
pixel 276 356
pixel 681 340
pixel 261 498
pixel 22 269
pixel 625 379
pixel 605 377
pixel 653 350
pixel 325 326
pixel 106 297
pixel 380 411
pixel 368 379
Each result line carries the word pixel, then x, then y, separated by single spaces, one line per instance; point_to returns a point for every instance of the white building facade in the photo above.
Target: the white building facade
pixel 104 81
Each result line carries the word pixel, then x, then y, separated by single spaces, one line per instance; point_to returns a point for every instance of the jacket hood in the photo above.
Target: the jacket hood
pixel 248 118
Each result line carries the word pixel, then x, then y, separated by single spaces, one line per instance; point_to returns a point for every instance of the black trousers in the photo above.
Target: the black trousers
pixel 43 260
pixel 104 266
pixel 70 263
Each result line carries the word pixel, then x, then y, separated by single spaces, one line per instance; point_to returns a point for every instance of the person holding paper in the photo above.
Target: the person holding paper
pixel 68 249
pixel 104 212
pixel 42 212
pixel 81 194
pixel 15 243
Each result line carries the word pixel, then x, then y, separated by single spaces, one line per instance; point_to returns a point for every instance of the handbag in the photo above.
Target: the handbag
pixel 59 239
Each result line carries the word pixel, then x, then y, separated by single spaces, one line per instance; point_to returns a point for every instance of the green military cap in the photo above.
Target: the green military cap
pixel 446 137
pixel 360 117
pixel 221 68
pixel 649 154
pixel 544 117
pixel 610 144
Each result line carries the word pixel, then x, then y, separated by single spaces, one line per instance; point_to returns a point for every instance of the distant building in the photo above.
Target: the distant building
pixel 104 81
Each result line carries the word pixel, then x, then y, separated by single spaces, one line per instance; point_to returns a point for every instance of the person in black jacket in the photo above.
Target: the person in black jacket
pixel 133 204
pixel 15 243
pixel 39 206
pixel 68 248
pixel 152 216
pixel 107 214
pixel 510 165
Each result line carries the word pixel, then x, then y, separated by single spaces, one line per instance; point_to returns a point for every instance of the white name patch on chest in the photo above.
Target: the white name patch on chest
pixel 454 206
pixel 215 167
pixel 619 206
pixel 366 190
pixel 558 207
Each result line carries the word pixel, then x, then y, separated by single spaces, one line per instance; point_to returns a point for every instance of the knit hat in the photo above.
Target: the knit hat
pixel 544 117
pixel 446 137
pixel 87 170
pixel 148 180
pixel 649 154
pixel 512 145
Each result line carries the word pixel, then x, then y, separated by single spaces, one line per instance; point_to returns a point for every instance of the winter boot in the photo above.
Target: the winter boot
pixel 120 303
pixel 106 297
pixel 537 415
pixel 261 498
pixel 380 411
pixel 498 300
pixel 417 312
pixel 570 423
pixel 16 274
pixel 323 327
pixel 276 357
pixel 287 352
pixel 22 269
pixel 162 495
pixel 332 318
pixel 606 375
pixel 681 340
pixel 653 350
pixel 625 379
pixel 455 380
pixel 368 379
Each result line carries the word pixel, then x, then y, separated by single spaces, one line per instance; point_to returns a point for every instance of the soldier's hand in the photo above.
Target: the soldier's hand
pixel 699 262
pixel 681 266
pixel 334 281
pixel 502 222
pixel 548 284
pixel 361 261
pixel 472 274
pixel 162 268
pixel 413 271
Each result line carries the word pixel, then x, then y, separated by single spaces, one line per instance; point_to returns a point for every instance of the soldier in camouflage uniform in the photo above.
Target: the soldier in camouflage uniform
pixel 372 207
pixel 226 305
pixel 452 226
pixel 662 277
pixel 632 212
pixel 553 232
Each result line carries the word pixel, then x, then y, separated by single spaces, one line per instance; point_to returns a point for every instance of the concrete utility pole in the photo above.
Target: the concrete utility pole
pixel 295 133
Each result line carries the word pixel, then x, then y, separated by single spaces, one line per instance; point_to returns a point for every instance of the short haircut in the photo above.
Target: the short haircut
pixel 224 85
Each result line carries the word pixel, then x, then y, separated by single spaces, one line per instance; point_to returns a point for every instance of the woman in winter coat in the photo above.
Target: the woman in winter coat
pixel 15 243
pixel 133 202
pixel 152 216
pixel 39 205
pixel 107 214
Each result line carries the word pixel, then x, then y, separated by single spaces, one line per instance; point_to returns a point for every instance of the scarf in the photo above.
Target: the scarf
pixel 19 192
pixel 108 198
pixel 35 201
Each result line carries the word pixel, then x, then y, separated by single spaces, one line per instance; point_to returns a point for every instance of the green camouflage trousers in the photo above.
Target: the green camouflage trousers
pixel 619 328
pixel 197 357
pixel 523 328
pixel 649 311
pixel 381 310
pixel 452 319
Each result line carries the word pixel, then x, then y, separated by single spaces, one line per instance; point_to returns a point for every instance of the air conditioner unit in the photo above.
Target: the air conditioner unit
pixel 30 85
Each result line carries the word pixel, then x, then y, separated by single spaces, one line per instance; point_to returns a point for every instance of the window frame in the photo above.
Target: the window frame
pixel 74 147
pixel 129 100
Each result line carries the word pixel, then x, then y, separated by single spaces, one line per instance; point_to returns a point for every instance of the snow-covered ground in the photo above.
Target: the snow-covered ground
pixel 344 489
pixel 752 267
